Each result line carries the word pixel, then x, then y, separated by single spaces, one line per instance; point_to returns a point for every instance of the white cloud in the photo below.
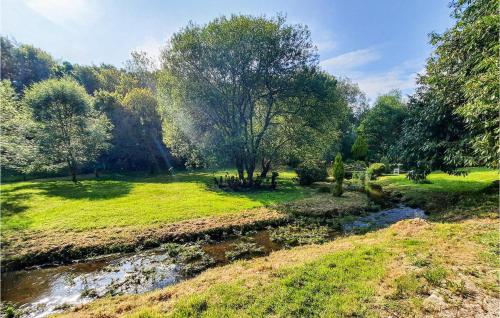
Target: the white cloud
pixel 402 77
pixel 350 60
pixel 66 13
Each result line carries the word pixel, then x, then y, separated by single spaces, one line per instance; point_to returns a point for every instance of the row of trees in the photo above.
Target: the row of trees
pixel 91 117
pixel 247 91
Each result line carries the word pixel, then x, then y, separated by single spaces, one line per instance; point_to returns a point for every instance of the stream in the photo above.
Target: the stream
pixel 41 291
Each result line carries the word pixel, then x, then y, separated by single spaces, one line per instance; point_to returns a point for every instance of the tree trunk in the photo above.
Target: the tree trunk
pixel 266 166
pixel 72 170
pixel 96 171
pixel 73 175
pixel 241 170
pixel 250 171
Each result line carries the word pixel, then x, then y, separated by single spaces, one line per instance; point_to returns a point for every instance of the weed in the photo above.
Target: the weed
pixel 458 288
pixel 295 234
pixel 435 275
pixel 407 285
pixel 244 250
pixel 9 310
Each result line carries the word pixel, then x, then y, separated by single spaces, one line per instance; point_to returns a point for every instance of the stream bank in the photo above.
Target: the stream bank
pixel 42 291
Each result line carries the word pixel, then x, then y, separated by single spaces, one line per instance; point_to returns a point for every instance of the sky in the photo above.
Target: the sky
pixel 379 44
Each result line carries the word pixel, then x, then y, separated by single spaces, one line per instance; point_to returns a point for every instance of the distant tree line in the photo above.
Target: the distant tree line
pixel 83 118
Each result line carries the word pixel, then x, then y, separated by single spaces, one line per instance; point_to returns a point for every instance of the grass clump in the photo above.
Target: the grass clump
pixel 435 275
pixel 300 234
pixel 191 257
pixel 244 250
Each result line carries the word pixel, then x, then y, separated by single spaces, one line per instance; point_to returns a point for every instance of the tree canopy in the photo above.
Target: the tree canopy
pixel 244 83
pixel 381 126
pixel 453 118
pixel 71 132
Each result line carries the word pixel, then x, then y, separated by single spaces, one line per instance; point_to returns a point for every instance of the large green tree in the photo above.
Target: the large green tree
pixel 72 132
pixel 24 64
pixel 237 80
pixel 145 122
pixel 454 118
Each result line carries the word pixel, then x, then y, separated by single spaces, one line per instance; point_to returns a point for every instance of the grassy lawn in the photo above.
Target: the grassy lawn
pixel 475 180
pixel 116 201
pixel 414 268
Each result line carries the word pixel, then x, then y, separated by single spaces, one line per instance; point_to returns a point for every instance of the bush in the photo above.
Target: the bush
pixel 419 173
pixel 376 169
pixel 311 171
pixel 386 163
pixel 355 166
pixel 359 149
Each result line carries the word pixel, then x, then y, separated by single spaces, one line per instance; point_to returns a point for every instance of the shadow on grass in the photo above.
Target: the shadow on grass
pixel 287 189
pixel 15 196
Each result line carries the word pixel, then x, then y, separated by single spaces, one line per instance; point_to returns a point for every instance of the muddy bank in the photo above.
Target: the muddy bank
pixel 24 250
pixel 42 291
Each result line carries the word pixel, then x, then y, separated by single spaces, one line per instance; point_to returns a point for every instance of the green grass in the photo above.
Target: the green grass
pixel 117 201
pixel 339 285
pixel 475 180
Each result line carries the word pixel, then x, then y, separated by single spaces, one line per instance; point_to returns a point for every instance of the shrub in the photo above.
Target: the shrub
pixel 311 171
pixel 355 166
pixel 420 173
pixel 338 174
pixel 376 169
pixel 386 163
pixel 359 149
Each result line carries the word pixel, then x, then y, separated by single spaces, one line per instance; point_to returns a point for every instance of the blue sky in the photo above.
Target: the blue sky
pixel 380 44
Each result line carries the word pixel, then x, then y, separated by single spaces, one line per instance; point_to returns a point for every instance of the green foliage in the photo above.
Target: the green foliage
pixel 338 175
pixel 376 169
pixel 24 64
pixel 454 114
pixel 435 275
pixel 17 140
pixel 360 148
pixel 145 121
pixel 381 125
pixel 9 310
pixel 419 173
pixel 243 114
pixel 311 171
pixel 71 131
pixel 385 161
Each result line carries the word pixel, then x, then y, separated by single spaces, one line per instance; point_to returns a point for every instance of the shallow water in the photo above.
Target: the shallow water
pixel 42 291
pixel 384 218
